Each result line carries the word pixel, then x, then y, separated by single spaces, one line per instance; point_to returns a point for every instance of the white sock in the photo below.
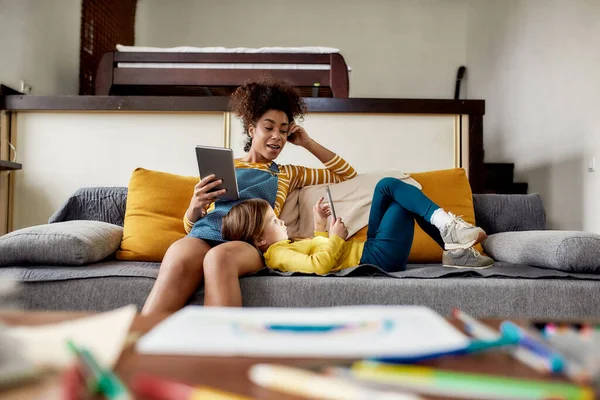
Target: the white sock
pixel 440 219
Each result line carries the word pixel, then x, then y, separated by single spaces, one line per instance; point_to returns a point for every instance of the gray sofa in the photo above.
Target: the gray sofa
pixel 563 285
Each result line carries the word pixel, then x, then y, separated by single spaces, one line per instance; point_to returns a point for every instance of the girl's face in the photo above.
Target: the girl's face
pixel 275 230
pixel 269 135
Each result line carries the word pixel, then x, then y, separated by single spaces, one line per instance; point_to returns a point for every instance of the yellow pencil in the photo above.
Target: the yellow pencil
pixel 317 386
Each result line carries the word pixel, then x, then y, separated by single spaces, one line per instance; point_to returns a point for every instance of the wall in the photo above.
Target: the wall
pixel 536 63
pixel 40 44
pixel 64 151
pixel 396 48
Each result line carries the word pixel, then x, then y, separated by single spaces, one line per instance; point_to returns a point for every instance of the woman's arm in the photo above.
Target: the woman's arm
pixel 201 200
pixel 298 136
pixel 336 168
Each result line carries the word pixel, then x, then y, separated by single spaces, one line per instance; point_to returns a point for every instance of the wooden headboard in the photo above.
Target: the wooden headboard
pixel 170 80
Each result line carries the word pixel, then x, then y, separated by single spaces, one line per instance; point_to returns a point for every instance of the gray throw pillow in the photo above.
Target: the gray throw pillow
pixel 63 243
pixel 569 251
pixel 496 213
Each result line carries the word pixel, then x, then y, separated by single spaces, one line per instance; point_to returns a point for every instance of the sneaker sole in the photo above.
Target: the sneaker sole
pixel 464 266
pixel 481 236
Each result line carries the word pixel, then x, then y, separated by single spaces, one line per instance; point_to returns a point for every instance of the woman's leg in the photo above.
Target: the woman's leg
pixel 179 275
pixel 223 265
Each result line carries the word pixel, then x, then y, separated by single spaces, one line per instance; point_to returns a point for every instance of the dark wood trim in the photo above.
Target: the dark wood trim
pixel 9 166
pixel 274 58
pixel 115 103
pixel 216 77
pixel 397 106
pixel 476 154
pixel 7 90
pixel 339 83
pixel 104 74
pixel 218 103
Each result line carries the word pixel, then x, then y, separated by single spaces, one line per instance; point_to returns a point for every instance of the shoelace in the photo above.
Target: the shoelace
pixel 457 219
pixel 476 254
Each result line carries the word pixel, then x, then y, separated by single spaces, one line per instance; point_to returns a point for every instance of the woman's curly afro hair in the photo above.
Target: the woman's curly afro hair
pixel 254 99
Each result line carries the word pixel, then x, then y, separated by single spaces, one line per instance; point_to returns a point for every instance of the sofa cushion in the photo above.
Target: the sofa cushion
pixel 62 243
pixel 509 212
pixel 156 203
pixel 105 204
pixel 569 251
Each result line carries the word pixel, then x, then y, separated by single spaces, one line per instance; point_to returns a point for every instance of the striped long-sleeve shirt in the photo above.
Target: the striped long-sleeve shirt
pixel 293 177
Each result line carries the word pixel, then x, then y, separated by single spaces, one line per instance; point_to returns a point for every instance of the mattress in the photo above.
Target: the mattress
pixel 236 50
pixel 311 67
pixel 247 50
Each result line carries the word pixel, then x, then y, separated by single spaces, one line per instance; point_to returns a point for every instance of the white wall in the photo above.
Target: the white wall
pixel 537 65
pixel 396 48
pixel 39 43
pixel 62 152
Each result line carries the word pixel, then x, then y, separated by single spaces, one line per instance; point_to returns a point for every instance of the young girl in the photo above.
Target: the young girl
pixel 395 207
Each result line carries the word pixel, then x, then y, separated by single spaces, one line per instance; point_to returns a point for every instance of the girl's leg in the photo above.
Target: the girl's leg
pixel 432 231
pixel 223 265
pixel 391 223
pixel 388 246
pixel 179 276
pixel 390 190
pixel 450 231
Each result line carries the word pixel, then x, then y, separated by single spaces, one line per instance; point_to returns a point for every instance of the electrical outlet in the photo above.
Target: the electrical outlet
pixel 25 87
pixel 592 164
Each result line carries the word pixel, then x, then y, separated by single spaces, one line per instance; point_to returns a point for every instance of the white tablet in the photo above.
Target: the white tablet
pixel 218 161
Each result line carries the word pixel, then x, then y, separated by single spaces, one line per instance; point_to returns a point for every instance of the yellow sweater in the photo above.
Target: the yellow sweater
pixel 293 177
pixel 319 255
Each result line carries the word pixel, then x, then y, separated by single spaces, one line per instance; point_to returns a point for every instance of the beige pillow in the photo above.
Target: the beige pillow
pixel 351 198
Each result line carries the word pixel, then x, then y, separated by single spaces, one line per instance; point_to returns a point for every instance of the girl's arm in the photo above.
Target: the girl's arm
pixel 286 259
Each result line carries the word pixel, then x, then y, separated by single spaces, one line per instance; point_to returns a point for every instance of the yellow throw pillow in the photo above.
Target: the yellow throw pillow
pixel 156 203
pixel 449 189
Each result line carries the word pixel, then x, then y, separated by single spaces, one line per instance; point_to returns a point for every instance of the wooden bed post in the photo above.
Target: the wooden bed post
pixel 104 74
pixel 476 168
pixel 339 82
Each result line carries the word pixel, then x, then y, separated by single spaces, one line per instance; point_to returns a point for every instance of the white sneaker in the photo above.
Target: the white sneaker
pixel 459 234
pixel 466 258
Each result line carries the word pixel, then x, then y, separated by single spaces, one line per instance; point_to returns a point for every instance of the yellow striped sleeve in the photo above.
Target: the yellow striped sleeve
pixel 336 170
pixel 187 224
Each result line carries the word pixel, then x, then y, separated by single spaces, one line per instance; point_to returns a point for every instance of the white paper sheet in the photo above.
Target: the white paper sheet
pixel 103 334
pixel 372 331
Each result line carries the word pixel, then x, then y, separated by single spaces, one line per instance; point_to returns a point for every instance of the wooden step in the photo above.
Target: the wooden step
pixel 513 188
pixel 498 174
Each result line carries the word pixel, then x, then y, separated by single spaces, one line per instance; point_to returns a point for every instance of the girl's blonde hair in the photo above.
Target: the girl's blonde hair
pixel 245 221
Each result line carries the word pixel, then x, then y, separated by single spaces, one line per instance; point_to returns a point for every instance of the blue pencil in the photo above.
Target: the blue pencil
pixel 473 347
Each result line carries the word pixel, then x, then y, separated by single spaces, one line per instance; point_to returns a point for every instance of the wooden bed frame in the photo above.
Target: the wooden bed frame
pixel 112 80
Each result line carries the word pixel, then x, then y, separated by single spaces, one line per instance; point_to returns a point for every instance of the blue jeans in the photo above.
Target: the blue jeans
pixel 395 208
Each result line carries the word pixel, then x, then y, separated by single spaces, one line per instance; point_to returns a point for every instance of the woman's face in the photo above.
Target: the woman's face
pixel 269 135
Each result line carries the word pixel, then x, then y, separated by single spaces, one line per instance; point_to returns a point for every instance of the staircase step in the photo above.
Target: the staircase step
pixel 513 188
pixel 498 174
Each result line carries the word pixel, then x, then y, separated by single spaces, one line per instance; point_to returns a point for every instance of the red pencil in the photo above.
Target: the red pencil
pixel 157 388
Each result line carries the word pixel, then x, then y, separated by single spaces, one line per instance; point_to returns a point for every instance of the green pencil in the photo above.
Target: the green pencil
pixel 106 381
pixel 455 384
